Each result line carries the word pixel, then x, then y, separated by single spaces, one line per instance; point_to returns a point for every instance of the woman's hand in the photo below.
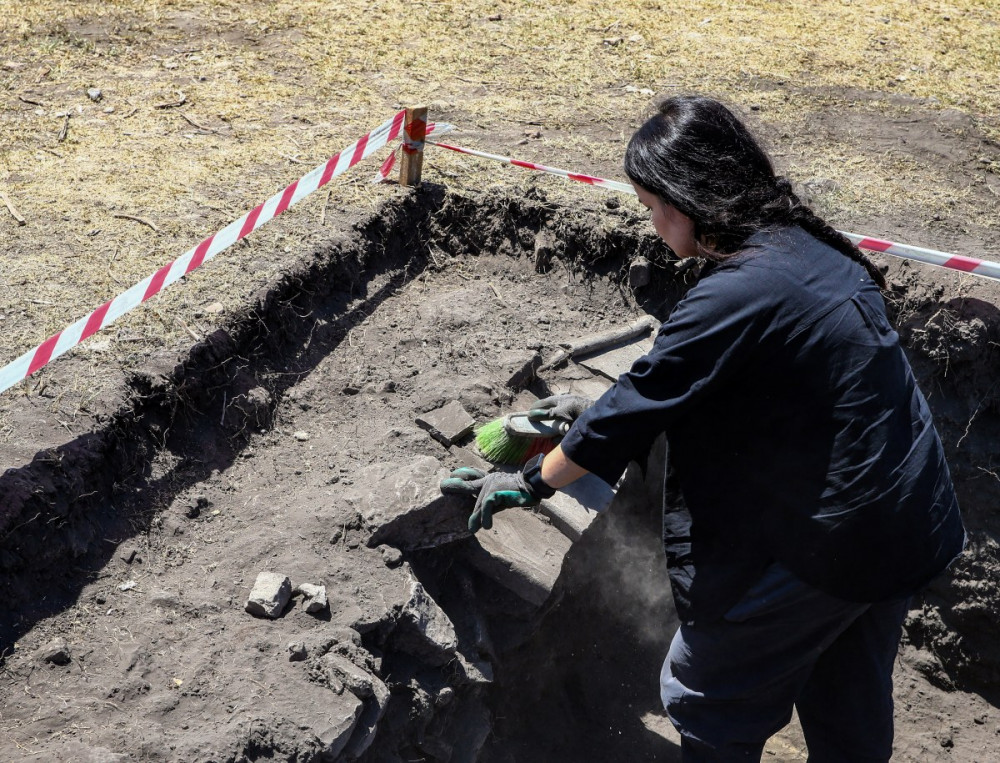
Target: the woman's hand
pixel 493 492
pixel 561 407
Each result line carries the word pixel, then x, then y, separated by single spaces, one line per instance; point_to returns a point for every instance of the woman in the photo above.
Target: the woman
pixel 807 495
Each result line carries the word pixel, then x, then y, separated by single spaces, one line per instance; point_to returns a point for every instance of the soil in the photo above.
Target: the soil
pixel 131 534
pixel 133 547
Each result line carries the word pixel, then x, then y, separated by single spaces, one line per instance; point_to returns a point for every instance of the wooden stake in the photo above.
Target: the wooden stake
pixel 414 132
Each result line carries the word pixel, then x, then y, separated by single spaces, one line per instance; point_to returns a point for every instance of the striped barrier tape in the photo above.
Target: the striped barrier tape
pixel 389 130
pixel 614 185
pixel 978 267
pixel 113 309
pixel 972 265
pixel 386 169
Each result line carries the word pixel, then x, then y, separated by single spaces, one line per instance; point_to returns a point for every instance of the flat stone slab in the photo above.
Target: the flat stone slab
pixel 290 701
pixel 522 552
pixel 447 424
pixel 613 362
pixel 575 506
pixel 574 379
pixel 402 505
pixel 468 457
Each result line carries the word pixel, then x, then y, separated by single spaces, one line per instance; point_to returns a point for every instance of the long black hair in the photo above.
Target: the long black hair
pixel 697 156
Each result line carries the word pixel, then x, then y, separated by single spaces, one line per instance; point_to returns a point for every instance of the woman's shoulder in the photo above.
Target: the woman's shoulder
pixel 785 270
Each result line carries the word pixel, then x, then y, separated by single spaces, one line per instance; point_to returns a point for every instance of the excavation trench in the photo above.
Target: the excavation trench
pixel 134 546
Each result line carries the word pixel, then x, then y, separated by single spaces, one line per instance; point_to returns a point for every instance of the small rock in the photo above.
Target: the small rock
pixel 301 436
pixel 128 585
pixel 56 652
pixel 296 651
pixel 392 557
pixel 95 94
pixel 639 273
pixel 270 594
pixel 215 308
pixel 109 109
pixel 195 505
pixel 315 597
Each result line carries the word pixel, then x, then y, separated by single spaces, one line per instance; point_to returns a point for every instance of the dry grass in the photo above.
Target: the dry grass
pixel 279 86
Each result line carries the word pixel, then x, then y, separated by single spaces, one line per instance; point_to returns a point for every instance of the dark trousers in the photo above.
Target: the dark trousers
pixel 729 685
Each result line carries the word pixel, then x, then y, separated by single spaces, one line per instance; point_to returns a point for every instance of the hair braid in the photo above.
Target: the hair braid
pixel 802 215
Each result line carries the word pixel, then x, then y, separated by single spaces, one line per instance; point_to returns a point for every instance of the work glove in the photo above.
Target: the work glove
pixel 493 492
pixel 562 407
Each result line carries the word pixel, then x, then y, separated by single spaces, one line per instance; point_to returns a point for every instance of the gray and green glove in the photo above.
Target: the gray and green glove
pixel 562 407
pixel 493 492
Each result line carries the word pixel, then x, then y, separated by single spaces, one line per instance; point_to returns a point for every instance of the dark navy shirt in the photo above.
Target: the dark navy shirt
pixel 796 433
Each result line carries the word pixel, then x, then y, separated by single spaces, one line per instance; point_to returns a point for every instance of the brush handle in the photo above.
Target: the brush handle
pixel 519 425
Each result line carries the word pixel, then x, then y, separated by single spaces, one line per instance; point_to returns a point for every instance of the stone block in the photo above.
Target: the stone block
pixel 588 385
pixel 447 424
pixel 356 680
pixel 522 552
pixel 430 633
pixel 366 687
pixel 574 379
pixel 402 505
pixel 269 596
pixel 311 720
pixel 573 508
pixel 617 360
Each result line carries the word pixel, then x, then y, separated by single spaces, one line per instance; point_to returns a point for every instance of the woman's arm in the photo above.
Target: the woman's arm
pixel 558 470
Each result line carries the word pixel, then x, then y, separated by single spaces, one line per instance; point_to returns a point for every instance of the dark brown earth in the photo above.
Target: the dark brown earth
pixel 248 451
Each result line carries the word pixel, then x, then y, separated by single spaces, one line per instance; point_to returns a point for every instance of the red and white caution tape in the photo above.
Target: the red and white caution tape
pixel 614 185
pixel 984 268
pixel 972 265
pixel 72 335
pixel 384 171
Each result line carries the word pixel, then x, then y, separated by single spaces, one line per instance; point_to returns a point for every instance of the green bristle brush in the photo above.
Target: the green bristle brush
pixel 514 438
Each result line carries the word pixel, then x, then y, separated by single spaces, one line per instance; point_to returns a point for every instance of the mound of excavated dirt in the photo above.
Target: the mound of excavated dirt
pixel 297 441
